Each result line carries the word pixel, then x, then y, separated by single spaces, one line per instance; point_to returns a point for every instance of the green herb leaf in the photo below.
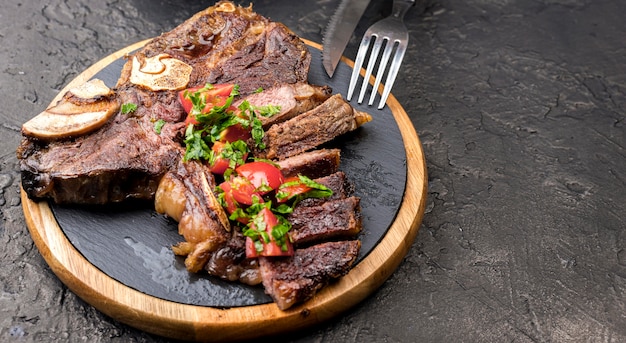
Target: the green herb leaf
pixel 128 108
pixel 267 110
pixel 158 125
pixel 257 132
pixel 279 232
pixel 195 146
pixel 235 152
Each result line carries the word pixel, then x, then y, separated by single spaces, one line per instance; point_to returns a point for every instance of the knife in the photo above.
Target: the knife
pixel 339 30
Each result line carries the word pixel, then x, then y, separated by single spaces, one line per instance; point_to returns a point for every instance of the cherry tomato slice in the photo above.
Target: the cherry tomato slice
pixel 220 164
pixel 235 133
pixel 224 153
pixel 244 191
pixel 230 204
pixel 215 96
pixel 290 188
pixel 264 176
pixel 270 248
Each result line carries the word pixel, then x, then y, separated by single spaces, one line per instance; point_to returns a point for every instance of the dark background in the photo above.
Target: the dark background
pixel 520 108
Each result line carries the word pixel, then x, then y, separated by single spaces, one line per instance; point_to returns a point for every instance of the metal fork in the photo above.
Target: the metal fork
pixel 392 31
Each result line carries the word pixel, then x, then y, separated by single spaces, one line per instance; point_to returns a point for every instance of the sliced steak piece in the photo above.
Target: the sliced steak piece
pixel 338 183
pixel 297 278
pixel 328 221
pixel 332 118
pixel 313 164
pixel 293 99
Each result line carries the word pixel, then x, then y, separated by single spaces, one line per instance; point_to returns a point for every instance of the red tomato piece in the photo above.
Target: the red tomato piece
pixel 291 187
pixel 215 96
pixel 191 120
pixel 220 164
pixel 230 203
pixel 261 174
pixel 270 248
pixel 244 191
pixel 235 133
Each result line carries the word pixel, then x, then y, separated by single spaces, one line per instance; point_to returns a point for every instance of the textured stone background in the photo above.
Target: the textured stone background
pixel 520 108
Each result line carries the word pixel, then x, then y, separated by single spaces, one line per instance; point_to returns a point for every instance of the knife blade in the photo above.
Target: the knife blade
pixel 339 30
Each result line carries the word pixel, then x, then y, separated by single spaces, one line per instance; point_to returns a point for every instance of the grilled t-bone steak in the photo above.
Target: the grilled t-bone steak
pixel 91 148
pixel 224 43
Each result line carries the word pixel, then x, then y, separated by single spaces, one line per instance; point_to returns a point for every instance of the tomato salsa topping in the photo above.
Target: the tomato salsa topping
pixel 254 193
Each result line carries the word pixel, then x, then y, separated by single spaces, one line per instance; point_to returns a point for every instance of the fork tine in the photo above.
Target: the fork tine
pixel 378 42
pixel 358 64
pixel 390 31
pixel 381 69
pixel 393 72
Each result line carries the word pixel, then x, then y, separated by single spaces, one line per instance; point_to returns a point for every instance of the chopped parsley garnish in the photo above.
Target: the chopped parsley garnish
pixel 158 125
pixel 196 147
pixel 316 190
pixel 128 108
pixel 257 229
pixel 235 152
pixel 213 122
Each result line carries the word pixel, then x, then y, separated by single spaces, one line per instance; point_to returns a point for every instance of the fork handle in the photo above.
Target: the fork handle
pixel 400 7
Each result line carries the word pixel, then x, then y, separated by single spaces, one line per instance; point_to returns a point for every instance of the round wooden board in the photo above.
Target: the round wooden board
pixel 199 323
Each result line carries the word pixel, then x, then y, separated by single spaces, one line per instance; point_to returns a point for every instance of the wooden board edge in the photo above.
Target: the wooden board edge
pixel 190 322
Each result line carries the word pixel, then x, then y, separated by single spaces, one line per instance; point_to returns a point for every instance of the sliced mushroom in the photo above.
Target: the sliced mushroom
pixel 160 72
pixel 69 119
pixel 92 89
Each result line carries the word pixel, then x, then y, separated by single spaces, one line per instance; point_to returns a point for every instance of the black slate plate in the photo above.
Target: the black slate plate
pixel 130 242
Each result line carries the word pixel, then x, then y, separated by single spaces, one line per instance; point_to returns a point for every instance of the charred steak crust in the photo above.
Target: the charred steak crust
pixel 232 44
pixel 314 164
pixel 99 168
pixel 297 278
pixel 334 117
pixel 331 220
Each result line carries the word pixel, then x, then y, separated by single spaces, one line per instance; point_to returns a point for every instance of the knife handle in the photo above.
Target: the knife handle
pixel 400 7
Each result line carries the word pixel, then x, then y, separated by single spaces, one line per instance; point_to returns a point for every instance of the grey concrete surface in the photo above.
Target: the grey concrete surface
pixel 520 108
